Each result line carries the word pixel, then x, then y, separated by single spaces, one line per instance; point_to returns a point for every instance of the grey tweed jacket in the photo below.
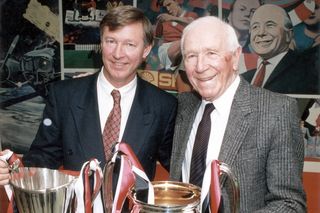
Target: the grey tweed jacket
pixel 263 145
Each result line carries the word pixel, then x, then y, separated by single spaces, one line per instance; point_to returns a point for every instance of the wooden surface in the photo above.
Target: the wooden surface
pixel 311 182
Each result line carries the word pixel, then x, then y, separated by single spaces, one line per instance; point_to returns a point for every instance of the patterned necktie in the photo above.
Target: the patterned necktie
pixel 199 152
pixel 112 127
pixel 258 81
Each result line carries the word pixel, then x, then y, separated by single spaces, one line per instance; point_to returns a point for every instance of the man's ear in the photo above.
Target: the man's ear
pixel 146 51
pixel 289 35
pixel 236 58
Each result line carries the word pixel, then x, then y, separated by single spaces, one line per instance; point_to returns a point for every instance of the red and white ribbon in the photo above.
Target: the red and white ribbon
pixel 10 158
pixel 130 173
pixel 87 202
pixel 6 155
pixel 211 186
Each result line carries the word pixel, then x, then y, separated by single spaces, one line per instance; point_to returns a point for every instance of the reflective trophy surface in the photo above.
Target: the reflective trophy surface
pixel 167 196
pixel 42 190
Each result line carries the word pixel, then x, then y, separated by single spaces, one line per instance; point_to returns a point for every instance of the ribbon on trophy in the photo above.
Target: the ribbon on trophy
pixel 87 202
pixel 14 163
pixel 129 173
pixel 211 196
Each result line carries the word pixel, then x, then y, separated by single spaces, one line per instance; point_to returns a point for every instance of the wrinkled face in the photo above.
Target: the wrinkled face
pixel 242 13
pixel 314 18
pixel 123 50
pixel 268 36
pixel 172 7
pixel 209 67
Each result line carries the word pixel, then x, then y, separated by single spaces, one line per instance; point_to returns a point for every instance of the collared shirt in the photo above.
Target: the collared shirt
pixel 273 62
pixel 219 118
pixel 105 100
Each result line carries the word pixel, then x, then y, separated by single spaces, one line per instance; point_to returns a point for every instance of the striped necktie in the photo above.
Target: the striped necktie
pixel 199 152
pixel 258 81
pixel 112 127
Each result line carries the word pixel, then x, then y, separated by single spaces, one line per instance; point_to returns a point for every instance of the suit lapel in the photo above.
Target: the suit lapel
pixel 236 129
pixel 184 123
pixel 140 118
pixel 87 121
pixel 238 124
pixel 286 61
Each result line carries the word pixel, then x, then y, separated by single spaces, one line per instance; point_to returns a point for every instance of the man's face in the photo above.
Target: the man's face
pixel 242 12
pixel 314 18
pixel 123 50
pixel 172 7
pixel 268 36
pixel 209 66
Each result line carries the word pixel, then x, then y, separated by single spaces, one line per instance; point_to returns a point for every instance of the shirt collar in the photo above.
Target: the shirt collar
pixel 274 60
pixel 225 100
pixel 108 87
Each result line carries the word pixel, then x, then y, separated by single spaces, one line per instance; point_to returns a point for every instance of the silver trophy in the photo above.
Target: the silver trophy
pixel 169 196
pixel 42 190
pixel 54 191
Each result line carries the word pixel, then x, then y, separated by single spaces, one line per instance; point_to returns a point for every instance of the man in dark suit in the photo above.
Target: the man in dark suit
pixel 77 110
pixel 286 71
pixel 255 131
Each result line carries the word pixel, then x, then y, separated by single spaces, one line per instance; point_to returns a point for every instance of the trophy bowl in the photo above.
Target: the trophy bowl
pixel 42 190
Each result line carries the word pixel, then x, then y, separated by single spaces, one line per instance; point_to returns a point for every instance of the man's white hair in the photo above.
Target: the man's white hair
pixel 231 39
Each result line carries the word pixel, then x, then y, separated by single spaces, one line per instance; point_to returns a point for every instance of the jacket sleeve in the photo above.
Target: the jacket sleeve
pixel 284 165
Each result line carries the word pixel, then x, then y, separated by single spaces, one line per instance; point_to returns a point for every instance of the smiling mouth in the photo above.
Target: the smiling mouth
pixel 208 78
pixel 245 21
pixel 119 64
pixel 264 42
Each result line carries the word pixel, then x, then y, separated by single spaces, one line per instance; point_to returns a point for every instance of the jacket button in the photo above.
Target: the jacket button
pixel 70 152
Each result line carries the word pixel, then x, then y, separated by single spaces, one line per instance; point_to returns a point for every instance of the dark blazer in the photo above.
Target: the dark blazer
pixel 263 145
pixel 293 75
pixel 75 133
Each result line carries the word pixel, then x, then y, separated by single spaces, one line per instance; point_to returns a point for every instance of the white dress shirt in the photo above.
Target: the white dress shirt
pixel 105 100
pixel 219 118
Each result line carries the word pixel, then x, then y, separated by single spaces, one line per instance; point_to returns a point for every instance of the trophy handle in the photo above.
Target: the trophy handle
pixel 225 169
pixel 115 191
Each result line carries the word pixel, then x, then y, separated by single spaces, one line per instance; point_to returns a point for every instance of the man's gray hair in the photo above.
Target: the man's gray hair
pixel 231 39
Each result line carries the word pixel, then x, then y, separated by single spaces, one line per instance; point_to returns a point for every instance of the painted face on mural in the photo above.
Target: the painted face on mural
pixel 268 35
pixel 241 13
pixel 123 50
pixel 172 6
pixel 209 65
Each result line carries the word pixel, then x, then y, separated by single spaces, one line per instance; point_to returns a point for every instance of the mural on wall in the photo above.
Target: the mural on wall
pixel 81 38
pixel 284 75
pixel 29 61
pixel 272 39
pixel 30 50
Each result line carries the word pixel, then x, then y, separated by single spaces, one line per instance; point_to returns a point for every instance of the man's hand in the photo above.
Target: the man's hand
pixel 4 172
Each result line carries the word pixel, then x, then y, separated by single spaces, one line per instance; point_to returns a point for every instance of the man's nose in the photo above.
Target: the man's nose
pixel 262 30
pixel 118 51
pixel 201 63
pixel 247 13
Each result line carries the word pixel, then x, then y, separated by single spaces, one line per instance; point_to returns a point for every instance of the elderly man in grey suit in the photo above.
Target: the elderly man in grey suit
pixel 255 131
